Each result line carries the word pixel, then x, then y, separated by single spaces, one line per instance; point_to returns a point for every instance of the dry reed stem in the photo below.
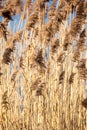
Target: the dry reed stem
pixel 43 69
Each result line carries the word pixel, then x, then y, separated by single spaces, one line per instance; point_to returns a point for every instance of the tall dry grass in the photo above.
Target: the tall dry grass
pixel 43 65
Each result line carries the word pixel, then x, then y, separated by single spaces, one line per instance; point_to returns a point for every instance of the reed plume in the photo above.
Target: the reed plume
pixel 43 65
pixel 7 56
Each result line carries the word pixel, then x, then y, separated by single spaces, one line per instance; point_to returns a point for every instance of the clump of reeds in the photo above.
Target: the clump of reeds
pixel 14 74
pixel 3 31
pixel 71 79
pixel 38 86
pixel 7 56
pixel 61 77
pixel 55 45
pixel 5 103
pixel 39 59
pixel 84 103
pixel 43 84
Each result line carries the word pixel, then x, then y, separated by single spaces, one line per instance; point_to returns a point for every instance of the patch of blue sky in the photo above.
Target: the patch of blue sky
pixel 33 0
pixel 71 17
pixel 46 19
pixel 17 24
pixel 49 4
pixel 14 23
pixel 57 3
pixel 1 18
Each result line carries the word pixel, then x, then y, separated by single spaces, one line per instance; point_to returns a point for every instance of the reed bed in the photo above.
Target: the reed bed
pixel 43 65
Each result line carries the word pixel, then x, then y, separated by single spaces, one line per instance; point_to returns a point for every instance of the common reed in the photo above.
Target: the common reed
pixel 43 65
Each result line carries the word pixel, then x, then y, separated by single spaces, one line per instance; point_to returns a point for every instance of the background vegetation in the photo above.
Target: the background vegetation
pixel 43 65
